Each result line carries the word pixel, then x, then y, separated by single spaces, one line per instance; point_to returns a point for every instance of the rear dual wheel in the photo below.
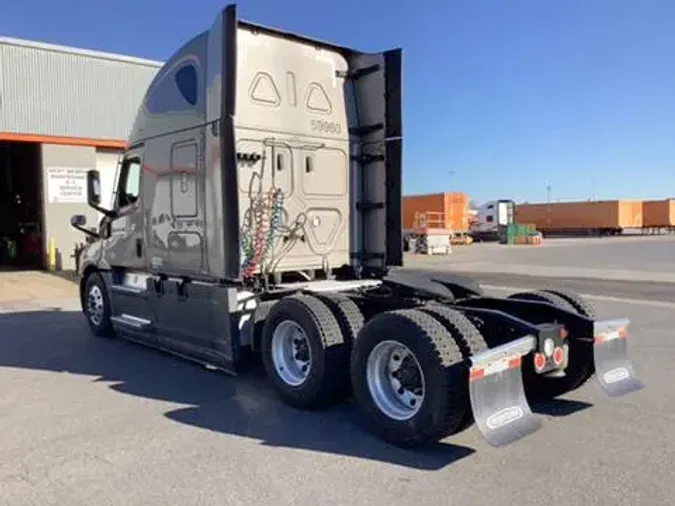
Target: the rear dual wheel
pixel 305 347
pixel 410 378
pixel 408 369
pixel 580 366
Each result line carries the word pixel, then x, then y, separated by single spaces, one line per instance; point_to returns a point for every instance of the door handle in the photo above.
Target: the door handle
pixel 158 284
pixel 139 247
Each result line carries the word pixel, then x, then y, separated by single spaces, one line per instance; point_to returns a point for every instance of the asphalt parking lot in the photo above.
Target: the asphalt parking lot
pixel 635 258
pixel 89 421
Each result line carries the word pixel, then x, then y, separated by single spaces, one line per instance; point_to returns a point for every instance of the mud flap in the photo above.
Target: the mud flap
pixel 497 394
pixel 614 370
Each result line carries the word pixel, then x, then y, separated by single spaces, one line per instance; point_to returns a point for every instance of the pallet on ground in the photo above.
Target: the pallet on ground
pixel 433 243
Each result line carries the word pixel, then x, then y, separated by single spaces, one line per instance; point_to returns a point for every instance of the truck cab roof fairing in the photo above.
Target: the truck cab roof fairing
pixel 175 99
pixel 186 92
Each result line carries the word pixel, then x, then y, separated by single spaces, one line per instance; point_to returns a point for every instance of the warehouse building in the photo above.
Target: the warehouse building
pixel 63 111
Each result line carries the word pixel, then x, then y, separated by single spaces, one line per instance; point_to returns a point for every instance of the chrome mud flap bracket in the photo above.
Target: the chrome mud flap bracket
pixel 497 393
pixel 614 370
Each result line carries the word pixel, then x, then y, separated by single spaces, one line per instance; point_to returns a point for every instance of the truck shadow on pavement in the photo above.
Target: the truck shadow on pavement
pixel 246 406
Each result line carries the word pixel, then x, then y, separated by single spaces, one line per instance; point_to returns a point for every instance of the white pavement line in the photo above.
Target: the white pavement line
pixel 606 298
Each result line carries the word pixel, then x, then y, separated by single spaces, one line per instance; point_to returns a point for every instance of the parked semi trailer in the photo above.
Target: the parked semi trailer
pixel 659 214
pixel 258 211
pixel 600 218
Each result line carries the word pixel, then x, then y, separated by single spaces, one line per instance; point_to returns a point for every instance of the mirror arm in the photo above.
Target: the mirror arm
pixel 108 212
pixel 87 231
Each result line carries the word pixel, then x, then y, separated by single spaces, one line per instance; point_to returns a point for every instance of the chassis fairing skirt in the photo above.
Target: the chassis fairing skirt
pixel 497 394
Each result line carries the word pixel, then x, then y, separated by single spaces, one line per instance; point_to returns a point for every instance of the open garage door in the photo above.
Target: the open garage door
pixel 21 216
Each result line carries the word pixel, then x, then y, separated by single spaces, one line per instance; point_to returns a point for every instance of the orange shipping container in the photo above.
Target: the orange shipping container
pixel 442 210
pixel 658 213
pixel 608 214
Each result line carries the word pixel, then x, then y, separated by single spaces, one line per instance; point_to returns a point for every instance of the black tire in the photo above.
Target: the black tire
pixel 348 315
pixel 259 317
pixel 467 337
pixel 464 332
pixel 580 367
pixel 328 377
pixel 99 327
pixel 445 403
pixel 581 305
pixel 544 296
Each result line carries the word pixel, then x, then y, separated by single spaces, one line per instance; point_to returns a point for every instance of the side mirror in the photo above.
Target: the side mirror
pixel 94 188
pixel 78 220
pixel 94 193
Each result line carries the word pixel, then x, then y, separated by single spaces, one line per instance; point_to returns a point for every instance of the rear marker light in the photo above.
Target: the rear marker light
pixel 539 361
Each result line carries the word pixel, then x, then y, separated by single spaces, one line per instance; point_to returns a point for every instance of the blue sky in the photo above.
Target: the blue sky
pixel 502 98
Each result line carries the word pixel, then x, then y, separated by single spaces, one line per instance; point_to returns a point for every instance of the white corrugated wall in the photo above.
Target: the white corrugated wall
pixel 46 90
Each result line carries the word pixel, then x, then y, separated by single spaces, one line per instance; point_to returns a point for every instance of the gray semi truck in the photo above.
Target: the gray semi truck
pixel 257 213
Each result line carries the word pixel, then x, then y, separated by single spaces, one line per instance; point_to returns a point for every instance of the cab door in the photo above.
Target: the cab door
pixel 125 240
pixel 124 251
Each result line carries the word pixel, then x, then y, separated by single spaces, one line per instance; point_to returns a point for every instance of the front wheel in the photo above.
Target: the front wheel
pixel 409 378
pixel 96 306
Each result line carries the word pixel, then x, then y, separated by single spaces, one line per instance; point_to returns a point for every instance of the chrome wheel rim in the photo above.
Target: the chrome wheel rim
pixel 395 380
pixel 95 305
pixel 291 354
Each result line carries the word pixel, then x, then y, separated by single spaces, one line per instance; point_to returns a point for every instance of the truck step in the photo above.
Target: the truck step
pixel 133 322
pixel 131 290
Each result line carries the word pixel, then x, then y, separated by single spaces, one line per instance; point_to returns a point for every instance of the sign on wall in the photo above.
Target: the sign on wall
pixel 66 185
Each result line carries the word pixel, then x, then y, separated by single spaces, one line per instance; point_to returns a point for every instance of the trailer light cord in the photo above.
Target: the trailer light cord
pixel 262 224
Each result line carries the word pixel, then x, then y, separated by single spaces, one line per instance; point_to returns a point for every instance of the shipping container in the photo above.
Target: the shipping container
pixel 438 210
pixel 658 213
pixel 608 217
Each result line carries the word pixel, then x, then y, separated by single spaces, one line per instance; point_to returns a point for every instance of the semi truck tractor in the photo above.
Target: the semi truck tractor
pixel 492 220
pixel 257 213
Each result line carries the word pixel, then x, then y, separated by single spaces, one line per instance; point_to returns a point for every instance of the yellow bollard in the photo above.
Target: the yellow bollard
pixel 51 252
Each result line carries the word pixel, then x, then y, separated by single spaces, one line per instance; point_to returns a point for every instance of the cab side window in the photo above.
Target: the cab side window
pixel 129 183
